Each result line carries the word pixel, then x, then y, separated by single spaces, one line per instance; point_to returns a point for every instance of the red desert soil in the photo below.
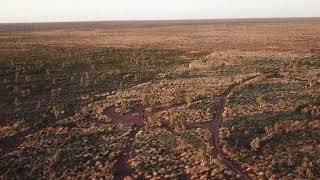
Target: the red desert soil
pixel 277 35
pixel 140 116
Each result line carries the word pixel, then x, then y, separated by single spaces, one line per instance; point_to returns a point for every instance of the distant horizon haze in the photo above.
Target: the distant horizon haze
pixel 33 11
pixel 172 20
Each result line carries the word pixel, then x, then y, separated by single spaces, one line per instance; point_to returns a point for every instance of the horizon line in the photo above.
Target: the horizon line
pixel 157 20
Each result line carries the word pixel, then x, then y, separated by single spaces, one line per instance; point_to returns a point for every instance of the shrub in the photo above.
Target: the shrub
pixel 178 121
pixel 125 107
pixel 256 144
pixel 261 100
pixel 57 157
pixel 306 169
pixel 154 120
pixel 269 131
pixel 148 100
pixel 206 154
pixel 312 82
pixel 183 144
pixel 312 111
pixel 189 100
pixel 57 110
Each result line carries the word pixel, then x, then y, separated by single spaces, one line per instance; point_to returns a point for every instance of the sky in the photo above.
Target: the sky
pixel 13 11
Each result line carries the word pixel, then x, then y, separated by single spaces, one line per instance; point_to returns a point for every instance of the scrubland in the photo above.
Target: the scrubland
pixel 161 100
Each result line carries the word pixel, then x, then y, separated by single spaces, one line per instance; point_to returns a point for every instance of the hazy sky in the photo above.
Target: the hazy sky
pixel 86 10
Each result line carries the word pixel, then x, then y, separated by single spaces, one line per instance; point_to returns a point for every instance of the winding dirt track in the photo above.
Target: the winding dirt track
pixel 216 124
pixel 121 167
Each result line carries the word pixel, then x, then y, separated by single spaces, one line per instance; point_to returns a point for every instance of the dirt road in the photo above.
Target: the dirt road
pixel 216 124
pixel 122 169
